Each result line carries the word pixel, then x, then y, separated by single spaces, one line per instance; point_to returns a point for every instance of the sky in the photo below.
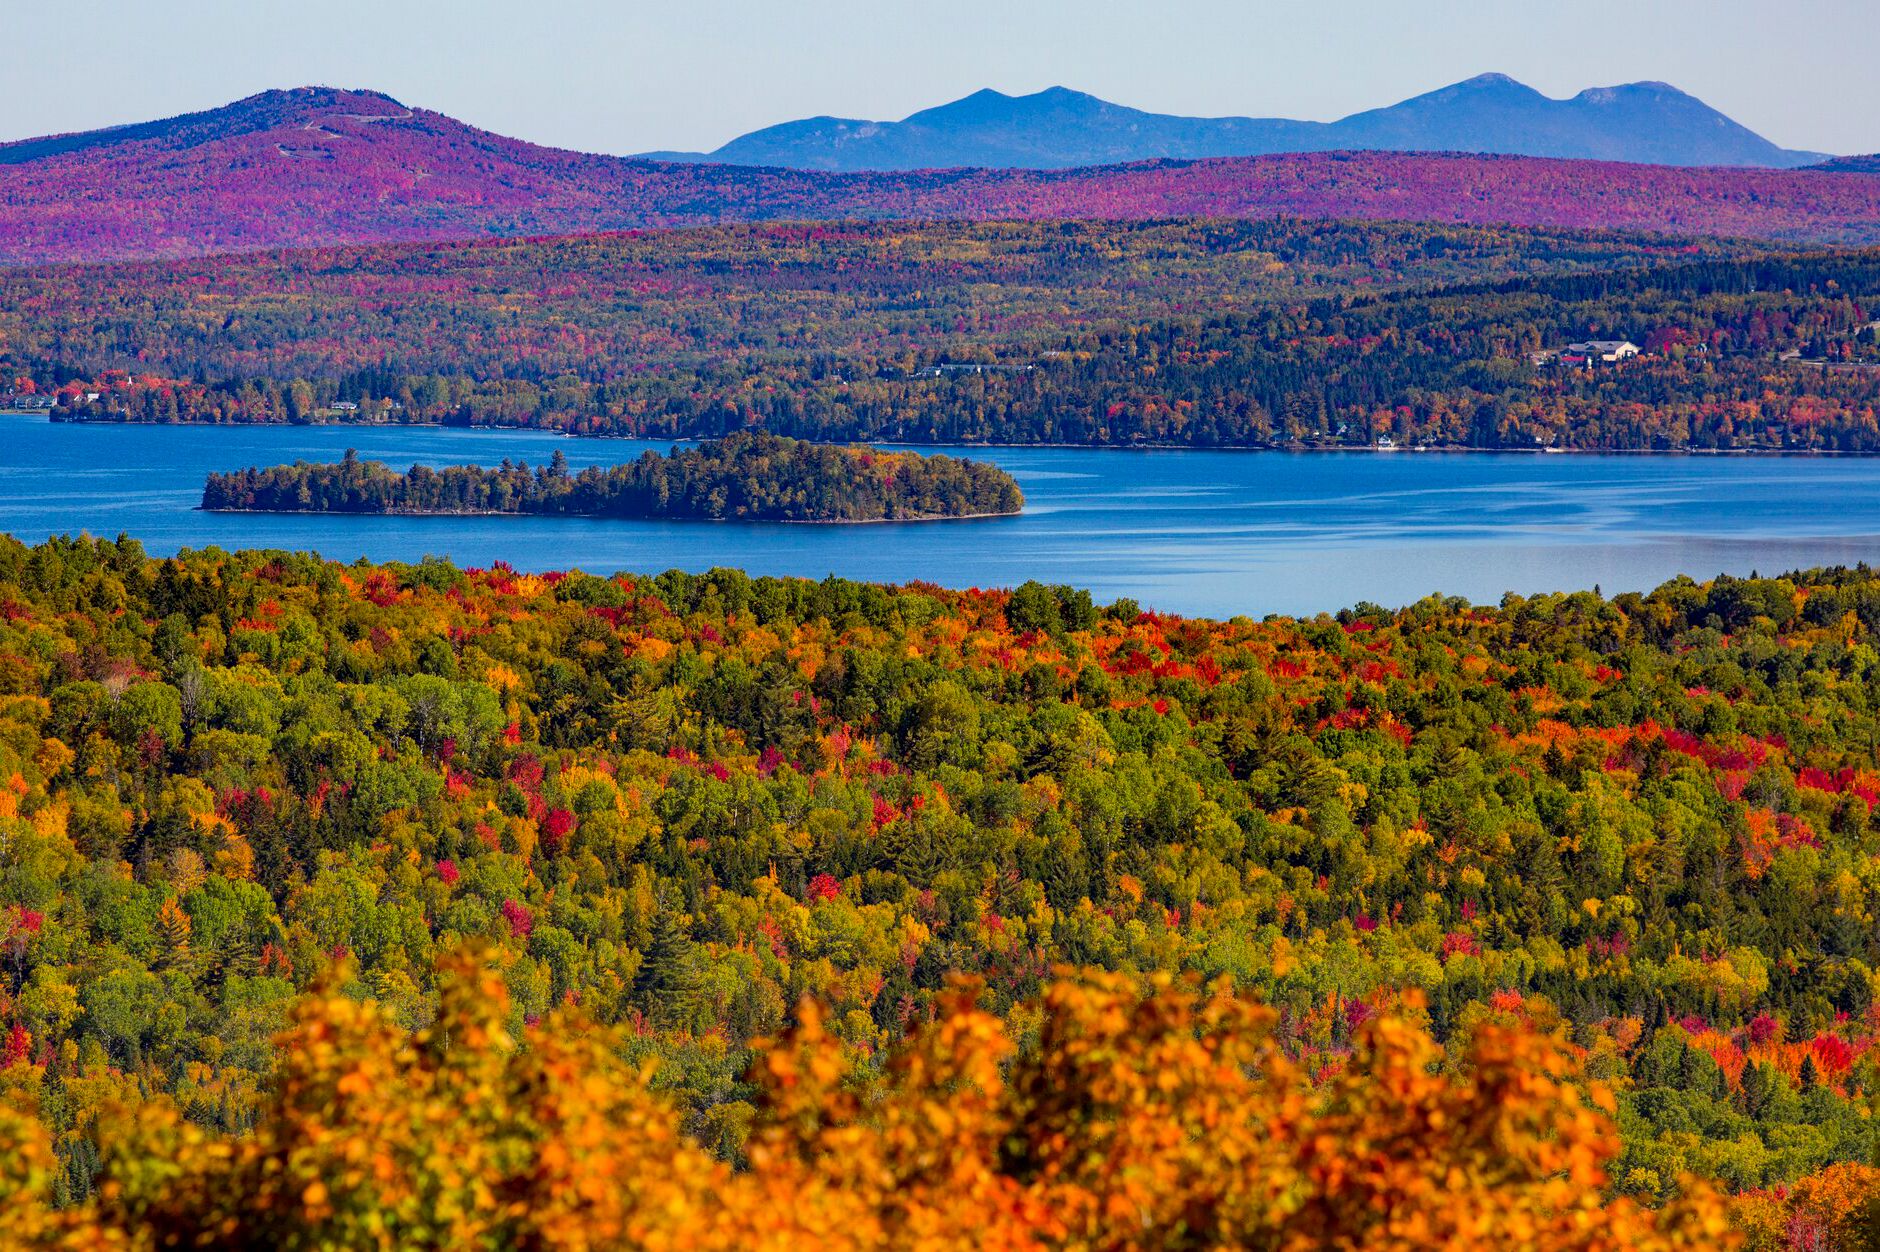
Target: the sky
pixel 630 76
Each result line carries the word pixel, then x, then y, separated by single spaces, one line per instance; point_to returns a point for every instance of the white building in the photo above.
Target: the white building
pixel 1607 350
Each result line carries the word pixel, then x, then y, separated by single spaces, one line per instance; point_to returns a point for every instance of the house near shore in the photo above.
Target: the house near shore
pixel 1606 351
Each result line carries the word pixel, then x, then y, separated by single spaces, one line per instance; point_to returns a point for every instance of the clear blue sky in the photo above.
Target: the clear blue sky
pixel 627 75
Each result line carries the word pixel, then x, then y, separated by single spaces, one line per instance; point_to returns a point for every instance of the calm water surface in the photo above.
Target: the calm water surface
pixel 1215 533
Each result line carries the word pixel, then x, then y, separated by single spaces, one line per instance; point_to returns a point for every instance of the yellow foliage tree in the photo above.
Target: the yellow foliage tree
pixel 1169 1118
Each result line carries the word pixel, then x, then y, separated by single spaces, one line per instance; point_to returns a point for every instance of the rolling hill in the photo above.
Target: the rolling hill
pixel 1649 123
pixel 318 166
pixel 1868 164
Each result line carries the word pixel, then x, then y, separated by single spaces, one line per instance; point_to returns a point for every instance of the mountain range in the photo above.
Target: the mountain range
pixel 1649 123
pixel 317 166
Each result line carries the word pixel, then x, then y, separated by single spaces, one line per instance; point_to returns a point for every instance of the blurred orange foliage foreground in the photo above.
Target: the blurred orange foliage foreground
pixel 1160 1120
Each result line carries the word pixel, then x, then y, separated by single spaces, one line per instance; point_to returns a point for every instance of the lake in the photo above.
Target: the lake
pixel 1196 532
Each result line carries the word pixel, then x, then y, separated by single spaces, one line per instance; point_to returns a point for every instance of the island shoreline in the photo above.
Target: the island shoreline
pixel 610 517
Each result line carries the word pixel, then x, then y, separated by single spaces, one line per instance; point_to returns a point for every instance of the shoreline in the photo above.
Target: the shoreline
pixel 889 442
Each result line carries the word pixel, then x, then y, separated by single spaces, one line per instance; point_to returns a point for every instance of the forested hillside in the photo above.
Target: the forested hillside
pixel 1777 353
pixel 317 166
pixel 1204 333
pixel 592 308
pixel 1642 828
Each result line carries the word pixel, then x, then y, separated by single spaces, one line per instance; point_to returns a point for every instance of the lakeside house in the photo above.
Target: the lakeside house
pixel 1607 351
pixel 1587 352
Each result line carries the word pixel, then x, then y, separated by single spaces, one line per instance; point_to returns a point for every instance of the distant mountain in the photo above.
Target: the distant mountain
pixel 1053 129
pixel 1648 123
pixel 319 166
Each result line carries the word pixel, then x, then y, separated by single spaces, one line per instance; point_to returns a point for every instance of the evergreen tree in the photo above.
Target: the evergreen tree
pixel 667 986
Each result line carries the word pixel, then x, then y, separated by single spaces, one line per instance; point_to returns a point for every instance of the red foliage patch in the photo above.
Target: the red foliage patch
pixel 379 588
pixel 557 825
pixel 526 772
pixel 19 1045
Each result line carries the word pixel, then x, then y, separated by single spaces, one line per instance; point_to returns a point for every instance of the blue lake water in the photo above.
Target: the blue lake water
pixel 1214 533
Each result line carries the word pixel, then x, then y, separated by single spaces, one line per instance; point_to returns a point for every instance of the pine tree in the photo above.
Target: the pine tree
pixel 1757 1088
pixel 668 984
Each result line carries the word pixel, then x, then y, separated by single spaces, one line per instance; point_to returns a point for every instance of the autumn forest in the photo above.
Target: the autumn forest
pixel 675 807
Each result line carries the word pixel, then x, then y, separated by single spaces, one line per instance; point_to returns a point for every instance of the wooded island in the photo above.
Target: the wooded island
pixel 742 477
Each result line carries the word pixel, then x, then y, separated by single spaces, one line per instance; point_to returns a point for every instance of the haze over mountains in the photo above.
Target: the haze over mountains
pixel 318 166
pixel 1649 123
